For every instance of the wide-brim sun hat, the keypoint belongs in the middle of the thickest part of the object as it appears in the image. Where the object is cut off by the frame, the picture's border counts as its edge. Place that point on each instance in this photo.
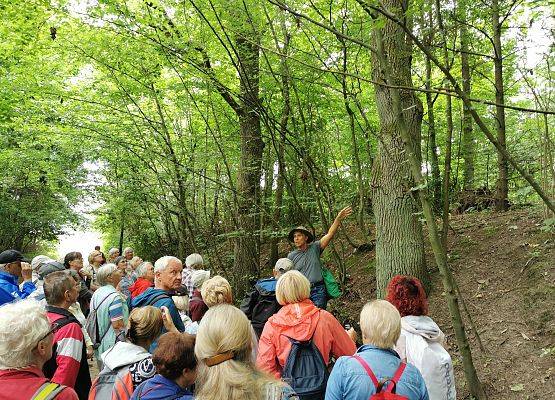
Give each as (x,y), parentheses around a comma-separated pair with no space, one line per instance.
(301,229)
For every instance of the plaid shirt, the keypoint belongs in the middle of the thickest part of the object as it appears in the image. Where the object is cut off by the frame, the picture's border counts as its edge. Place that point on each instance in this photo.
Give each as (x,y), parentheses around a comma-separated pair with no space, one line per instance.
(186,280)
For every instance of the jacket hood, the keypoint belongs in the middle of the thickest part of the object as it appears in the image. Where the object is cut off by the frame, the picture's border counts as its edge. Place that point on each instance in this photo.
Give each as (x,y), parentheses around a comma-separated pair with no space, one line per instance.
(145,298)
(298,320)
(266,287)
(123,353)
(423,326)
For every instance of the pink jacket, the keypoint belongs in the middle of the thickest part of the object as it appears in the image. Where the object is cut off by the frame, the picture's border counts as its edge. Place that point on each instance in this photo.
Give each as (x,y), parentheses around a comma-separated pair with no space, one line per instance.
(301,321)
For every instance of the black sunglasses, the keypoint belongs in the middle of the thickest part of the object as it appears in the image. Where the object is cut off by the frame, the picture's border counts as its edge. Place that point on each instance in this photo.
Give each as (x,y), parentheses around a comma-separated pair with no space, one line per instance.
(54,327)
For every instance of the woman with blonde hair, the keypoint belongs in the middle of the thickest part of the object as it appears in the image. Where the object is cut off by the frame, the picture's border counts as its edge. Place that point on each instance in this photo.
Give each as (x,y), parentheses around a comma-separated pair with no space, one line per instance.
(376,367)
(96,260)
(225,368)
(299,320)
(216,290)
(143,328)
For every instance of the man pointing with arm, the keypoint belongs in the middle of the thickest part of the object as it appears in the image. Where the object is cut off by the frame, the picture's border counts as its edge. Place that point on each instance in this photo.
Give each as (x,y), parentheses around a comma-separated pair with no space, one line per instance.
(307,256)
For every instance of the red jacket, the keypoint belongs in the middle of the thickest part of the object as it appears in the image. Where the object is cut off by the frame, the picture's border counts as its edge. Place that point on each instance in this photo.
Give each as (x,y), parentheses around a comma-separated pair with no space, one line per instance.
(140,285)
(301,321)
(23,384)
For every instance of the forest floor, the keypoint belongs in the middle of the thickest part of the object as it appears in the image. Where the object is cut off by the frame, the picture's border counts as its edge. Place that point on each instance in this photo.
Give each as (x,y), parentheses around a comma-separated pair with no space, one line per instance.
(504,265)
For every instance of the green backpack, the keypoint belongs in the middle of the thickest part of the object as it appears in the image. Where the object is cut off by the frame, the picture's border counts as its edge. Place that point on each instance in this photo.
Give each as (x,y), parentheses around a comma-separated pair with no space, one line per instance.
(332,287)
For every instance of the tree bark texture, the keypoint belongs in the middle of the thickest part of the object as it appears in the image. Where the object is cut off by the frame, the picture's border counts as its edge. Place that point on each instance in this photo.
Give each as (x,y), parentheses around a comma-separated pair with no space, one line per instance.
(399,238)
(468,146)
(247,243)
(502,187)
(432,143)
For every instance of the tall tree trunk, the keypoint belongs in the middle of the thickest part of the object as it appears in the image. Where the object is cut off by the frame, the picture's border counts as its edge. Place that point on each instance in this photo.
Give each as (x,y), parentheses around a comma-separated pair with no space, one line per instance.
(280,183)
(502,187)
(448,135)
(432,145)
(399,238)
(247,244)
(449,284)
(468,147)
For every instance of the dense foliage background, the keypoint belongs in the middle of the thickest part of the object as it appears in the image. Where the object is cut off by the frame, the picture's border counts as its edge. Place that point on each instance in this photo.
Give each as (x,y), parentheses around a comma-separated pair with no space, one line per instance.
(158,94)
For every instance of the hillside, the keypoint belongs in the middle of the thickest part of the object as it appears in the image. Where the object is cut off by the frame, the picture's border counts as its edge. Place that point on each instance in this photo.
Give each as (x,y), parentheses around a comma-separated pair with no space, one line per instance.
(504,265)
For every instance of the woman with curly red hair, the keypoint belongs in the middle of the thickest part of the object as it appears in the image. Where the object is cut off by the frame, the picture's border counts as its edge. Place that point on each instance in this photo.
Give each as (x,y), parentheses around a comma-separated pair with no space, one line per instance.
(421,340)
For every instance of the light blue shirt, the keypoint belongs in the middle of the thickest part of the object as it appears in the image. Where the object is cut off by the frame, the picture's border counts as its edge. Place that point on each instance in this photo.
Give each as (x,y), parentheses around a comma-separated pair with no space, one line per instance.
(349,380)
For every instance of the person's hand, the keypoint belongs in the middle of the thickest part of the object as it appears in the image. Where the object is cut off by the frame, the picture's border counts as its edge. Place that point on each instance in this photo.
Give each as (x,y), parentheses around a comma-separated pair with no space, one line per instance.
(167,320)
(352,334)
(26,271)
(90,352)
(344,213)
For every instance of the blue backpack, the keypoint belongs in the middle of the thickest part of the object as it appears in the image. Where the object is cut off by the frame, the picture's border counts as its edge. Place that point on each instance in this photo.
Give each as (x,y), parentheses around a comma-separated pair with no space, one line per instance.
(305,370)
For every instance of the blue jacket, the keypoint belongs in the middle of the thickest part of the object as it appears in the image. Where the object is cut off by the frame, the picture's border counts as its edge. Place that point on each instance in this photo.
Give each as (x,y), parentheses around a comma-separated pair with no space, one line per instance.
(160,388)
(349,380)
(158,298)
(9,291)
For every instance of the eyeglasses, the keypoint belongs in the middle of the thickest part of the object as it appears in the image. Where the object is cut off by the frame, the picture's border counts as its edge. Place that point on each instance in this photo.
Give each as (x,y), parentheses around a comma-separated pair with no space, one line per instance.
(54,327)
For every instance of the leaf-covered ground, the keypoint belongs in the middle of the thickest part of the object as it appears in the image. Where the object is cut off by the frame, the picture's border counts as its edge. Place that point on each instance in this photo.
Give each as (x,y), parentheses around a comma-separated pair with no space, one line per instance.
(504,265)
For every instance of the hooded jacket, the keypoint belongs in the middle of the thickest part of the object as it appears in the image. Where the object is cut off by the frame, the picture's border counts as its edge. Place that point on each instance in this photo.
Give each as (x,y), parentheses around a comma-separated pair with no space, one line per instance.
(421,325)
(140,285)
(301,321)
(135,357)
(421,344)
(160,388)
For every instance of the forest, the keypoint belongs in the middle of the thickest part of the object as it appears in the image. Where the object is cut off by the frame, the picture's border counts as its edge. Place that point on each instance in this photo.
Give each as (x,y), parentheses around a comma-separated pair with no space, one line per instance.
(215,126)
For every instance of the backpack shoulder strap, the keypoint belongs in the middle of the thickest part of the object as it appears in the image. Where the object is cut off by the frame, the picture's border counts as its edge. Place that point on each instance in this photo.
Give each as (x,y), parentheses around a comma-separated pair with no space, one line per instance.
(368,371)
(48,391)
(97,306)
(158,297)
(396,378)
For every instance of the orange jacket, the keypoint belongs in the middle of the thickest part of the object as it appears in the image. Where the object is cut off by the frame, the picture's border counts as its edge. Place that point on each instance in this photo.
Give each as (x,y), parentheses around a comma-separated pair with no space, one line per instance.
(301,321)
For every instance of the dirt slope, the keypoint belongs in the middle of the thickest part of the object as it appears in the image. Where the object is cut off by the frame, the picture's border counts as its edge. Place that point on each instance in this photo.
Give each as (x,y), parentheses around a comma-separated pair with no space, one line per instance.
(505,267)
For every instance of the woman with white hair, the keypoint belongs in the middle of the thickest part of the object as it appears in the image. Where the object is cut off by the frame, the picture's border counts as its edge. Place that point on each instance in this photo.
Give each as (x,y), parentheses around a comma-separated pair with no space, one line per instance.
(358,377)
(110,308)
(25,346)
(225,370)
(197,306)
(145,279)
(192,262)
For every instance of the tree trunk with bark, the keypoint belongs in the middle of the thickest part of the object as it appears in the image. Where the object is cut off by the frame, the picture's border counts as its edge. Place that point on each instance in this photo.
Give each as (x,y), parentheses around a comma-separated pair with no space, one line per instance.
(432,143)
(502,187)
(247,243)
(399,238)
(468,146)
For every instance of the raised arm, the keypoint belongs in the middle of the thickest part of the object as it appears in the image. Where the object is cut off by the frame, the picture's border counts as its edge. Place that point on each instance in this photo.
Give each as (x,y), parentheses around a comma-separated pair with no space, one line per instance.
(333,228)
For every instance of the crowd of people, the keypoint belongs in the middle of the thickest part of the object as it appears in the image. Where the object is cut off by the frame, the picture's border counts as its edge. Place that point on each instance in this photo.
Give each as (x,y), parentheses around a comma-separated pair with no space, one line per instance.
(166,331)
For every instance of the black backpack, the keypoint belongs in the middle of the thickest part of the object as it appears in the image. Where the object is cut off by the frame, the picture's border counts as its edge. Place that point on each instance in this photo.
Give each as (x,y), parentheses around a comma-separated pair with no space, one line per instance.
(265,307)
(305,370)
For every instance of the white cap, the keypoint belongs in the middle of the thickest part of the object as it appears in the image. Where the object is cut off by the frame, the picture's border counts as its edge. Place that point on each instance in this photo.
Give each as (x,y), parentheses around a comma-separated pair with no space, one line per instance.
(198,277)
(193,259)
(284,265)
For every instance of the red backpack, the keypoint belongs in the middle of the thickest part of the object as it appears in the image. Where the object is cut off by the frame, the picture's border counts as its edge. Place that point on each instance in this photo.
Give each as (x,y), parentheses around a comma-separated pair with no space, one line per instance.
(381,392)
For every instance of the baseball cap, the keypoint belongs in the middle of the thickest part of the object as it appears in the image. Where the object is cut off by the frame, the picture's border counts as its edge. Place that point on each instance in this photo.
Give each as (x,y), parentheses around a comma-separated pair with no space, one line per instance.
(284,265)
(50,267)
(10,256)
